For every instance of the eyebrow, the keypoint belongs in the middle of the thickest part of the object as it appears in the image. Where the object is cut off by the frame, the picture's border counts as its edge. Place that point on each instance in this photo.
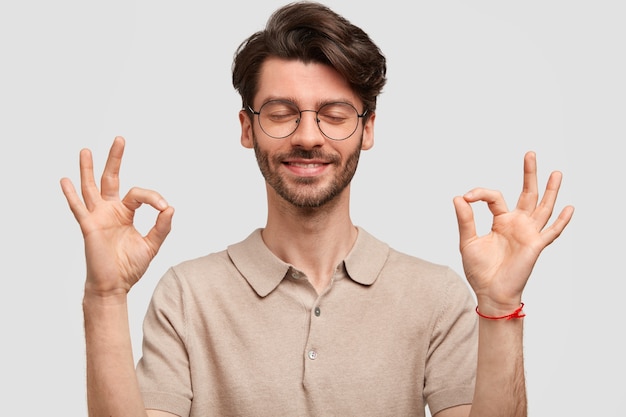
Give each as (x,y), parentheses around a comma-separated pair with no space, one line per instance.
(318,105)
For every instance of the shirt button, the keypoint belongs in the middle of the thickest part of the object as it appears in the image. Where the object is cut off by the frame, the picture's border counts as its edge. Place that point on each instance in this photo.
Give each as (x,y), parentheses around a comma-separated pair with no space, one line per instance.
(312,355)
(295,275)
(317,311)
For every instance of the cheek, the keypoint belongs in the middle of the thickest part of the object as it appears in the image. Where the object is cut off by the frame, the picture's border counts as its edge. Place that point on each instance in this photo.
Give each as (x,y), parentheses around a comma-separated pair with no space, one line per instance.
(269,146)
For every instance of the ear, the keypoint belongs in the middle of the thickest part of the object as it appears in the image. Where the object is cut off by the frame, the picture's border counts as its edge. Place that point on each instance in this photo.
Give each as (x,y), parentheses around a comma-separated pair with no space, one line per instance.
(247,138)
(368,133)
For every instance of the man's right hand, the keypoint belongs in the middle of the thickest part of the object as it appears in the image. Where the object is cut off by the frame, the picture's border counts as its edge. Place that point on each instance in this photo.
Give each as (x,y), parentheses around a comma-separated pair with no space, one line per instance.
(117,255)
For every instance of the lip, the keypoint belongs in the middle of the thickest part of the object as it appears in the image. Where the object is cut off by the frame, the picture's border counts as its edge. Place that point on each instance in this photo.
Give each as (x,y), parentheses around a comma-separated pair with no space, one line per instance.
(306,167)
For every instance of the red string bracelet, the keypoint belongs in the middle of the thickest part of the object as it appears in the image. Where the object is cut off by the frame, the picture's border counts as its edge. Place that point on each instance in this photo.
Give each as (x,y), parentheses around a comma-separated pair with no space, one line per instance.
(517,314)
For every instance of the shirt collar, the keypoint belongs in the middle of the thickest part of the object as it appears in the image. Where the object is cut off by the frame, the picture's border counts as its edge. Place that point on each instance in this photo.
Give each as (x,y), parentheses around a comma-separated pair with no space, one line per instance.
(264,271)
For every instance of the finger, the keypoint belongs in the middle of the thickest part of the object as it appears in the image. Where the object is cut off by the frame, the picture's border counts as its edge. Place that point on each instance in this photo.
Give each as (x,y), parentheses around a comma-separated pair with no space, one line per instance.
(88,186)
(494,199)
(110,181)
(76,204)
(157,234)
(528,198)
(137,196)
(544,210)
(550,234)
(465,220)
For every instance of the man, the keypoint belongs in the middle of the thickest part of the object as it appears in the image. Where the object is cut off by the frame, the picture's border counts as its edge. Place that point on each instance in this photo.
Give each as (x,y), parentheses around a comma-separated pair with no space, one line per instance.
(310,315)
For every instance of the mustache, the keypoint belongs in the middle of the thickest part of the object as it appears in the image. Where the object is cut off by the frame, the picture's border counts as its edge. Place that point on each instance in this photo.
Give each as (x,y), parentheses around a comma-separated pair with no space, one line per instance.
(299,153)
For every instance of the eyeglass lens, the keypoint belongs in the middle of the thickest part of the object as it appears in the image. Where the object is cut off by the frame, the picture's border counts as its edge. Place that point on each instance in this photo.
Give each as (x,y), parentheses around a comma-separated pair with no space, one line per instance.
(279,119)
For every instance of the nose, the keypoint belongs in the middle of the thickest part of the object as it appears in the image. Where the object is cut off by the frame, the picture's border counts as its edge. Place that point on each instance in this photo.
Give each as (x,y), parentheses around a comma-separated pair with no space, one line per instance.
(308,134)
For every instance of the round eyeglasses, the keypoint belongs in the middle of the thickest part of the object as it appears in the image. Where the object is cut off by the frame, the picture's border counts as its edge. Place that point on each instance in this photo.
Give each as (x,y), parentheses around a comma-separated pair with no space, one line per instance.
(280,118)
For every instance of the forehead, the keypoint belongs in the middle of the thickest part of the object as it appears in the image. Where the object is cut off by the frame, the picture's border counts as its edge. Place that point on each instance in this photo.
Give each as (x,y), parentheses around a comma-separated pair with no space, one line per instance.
(306,84)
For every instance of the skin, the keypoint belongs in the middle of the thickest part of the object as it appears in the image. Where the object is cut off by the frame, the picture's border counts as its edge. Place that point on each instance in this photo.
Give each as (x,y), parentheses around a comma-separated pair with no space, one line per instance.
(308,200)
(320,236)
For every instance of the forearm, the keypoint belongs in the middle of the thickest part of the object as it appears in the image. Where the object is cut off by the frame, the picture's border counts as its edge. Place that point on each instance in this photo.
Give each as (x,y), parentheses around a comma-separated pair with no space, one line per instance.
(500,382)
(112,388)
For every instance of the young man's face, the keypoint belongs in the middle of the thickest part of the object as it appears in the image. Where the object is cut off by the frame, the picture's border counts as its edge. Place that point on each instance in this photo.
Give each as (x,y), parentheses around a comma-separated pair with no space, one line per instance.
(306,168)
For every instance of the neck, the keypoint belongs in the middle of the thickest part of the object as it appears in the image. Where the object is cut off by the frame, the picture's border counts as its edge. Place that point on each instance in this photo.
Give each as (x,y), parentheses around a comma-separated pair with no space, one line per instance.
(318,238)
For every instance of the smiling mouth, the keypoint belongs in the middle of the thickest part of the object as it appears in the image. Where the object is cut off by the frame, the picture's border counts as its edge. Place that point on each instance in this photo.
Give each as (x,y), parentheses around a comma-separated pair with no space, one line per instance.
(306,165)
(306,169)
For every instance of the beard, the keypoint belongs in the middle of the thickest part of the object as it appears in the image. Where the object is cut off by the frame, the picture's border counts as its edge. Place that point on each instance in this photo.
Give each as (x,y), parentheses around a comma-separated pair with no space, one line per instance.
(306,193)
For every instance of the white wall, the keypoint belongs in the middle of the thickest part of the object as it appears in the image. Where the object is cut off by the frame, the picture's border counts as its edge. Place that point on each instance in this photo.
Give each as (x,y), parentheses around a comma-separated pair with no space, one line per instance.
(472,86)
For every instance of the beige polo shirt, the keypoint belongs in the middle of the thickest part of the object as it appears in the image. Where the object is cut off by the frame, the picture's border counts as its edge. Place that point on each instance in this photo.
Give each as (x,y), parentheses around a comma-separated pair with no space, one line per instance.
(241,333)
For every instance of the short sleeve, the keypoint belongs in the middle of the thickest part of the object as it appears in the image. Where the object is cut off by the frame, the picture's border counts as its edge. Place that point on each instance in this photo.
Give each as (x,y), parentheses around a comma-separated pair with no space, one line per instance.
(452,356)
(163,370)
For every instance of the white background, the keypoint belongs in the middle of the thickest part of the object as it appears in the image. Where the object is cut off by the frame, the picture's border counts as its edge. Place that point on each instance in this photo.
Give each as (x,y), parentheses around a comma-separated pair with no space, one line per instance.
(472,86)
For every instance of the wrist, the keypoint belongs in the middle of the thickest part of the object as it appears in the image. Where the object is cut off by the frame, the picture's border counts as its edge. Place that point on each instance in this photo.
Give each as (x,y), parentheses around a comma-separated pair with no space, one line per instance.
(517,314)
(488,307)
(104,298)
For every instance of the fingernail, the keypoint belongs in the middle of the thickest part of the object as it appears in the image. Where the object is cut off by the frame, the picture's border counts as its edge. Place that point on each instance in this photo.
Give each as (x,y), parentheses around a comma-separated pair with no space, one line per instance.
(162,204)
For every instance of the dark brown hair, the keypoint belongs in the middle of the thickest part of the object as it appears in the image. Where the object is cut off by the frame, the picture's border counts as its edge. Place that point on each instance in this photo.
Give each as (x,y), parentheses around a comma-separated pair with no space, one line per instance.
(311,32)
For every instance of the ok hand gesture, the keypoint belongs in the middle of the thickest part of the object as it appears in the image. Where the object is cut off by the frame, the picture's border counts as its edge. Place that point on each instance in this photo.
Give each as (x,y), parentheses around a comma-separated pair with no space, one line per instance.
(117,255)
(498,264)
